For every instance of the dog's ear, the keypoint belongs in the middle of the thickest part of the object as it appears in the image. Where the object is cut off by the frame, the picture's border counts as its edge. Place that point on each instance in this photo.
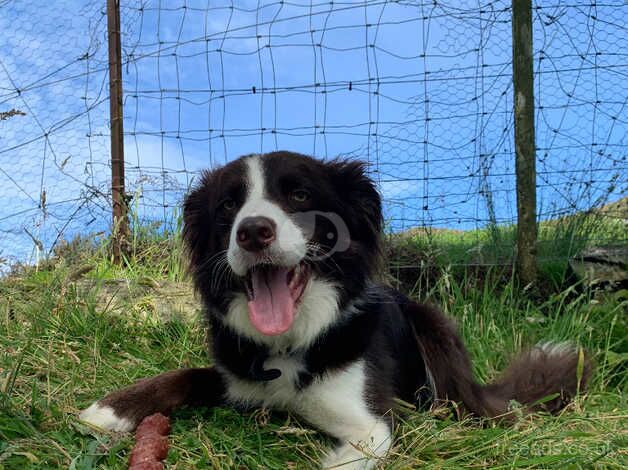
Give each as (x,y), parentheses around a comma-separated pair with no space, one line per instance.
(197,219)
(361,198)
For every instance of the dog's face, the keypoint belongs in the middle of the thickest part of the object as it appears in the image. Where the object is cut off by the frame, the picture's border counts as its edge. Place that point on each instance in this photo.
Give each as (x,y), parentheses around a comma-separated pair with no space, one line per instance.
(269,226)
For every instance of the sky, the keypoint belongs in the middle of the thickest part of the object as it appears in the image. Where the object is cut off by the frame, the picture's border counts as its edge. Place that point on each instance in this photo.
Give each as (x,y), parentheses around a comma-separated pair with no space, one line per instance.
(421,91)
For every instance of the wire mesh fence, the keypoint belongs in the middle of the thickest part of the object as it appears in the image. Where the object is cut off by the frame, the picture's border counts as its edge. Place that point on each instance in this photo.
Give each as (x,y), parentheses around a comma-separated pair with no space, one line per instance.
(422,90)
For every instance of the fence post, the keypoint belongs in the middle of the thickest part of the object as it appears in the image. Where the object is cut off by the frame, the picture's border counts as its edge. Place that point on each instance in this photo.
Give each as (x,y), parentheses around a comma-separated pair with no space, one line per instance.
(525,148)
(120,227)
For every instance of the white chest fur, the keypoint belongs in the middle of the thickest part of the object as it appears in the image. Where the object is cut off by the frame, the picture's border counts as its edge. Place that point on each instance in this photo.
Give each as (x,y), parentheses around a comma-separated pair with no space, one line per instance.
(336,403)
(278,393)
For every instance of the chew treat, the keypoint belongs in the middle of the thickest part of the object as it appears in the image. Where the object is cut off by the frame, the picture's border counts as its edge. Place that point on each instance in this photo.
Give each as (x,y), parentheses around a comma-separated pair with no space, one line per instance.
(151,443)
(156,423)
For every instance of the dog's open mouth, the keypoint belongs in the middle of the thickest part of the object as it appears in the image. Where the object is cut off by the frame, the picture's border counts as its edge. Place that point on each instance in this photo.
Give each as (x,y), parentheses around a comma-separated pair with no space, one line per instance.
(274,293)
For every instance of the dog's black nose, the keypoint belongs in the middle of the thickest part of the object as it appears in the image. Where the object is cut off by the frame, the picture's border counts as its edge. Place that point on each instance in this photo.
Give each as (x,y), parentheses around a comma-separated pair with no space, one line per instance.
(255,233)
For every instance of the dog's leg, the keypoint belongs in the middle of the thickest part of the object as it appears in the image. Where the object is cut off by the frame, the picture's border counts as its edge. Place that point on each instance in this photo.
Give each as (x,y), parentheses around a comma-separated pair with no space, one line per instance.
(124,409)
(338,406)
(361,448)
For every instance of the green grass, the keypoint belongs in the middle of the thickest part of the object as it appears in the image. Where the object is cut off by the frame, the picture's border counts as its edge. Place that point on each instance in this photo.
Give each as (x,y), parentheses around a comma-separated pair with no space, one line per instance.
(558,240)
(61,348)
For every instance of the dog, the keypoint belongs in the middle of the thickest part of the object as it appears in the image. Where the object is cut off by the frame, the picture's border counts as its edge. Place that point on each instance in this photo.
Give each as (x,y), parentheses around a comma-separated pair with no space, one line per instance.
(285,252)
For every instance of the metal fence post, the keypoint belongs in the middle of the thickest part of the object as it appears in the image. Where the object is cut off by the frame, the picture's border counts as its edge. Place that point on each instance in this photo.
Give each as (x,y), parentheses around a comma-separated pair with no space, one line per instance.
(120,227)
(525,148)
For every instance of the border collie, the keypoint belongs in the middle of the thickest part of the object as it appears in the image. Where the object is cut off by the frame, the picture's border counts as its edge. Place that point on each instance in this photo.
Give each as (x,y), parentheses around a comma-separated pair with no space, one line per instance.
(285,254)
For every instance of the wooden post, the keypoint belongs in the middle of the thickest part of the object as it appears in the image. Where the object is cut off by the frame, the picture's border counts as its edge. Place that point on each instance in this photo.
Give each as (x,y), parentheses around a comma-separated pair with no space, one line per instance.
(525,147)
(120,227)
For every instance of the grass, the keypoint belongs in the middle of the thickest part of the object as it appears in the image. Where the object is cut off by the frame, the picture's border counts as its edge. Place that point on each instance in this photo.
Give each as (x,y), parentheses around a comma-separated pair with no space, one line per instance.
(61,347)
(558,240)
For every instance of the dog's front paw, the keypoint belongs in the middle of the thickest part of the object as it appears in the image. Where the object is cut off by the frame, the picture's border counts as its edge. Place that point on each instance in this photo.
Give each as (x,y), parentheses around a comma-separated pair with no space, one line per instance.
(105,417)
(124,409)
(348,457)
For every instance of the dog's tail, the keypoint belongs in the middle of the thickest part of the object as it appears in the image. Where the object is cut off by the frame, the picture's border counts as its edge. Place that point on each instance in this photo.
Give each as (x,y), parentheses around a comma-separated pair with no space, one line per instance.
(545,377)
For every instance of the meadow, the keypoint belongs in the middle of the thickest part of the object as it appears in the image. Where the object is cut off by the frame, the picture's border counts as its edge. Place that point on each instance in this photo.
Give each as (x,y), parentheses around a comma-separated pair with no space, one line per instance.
(79,326)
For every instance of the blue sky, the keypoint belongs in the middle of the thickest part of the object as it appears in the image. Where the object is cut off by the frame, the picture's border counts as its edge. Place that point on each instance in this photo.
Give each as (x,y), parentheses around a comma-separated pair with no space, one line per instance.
(423,93)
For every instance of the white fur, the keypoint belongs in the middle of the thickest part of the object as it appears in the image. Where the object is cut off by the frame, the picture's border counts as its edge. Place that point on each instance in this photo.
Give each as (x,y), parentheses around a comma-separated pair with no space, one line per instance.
(290,245)
(104,417)
(335,403)
(278,393)
(317,310)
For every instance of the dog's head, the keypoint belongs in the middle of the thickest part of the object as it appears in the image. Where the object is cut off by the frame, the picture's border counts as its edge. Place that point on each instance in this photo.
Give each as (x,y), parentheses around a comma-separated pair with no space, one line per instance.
(268,226)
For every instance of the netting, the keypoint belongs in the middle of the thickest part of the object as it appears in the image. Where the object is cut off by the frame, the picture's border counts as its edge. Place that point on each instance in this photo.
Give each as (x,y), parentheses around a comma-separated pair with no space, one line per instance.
(422,90)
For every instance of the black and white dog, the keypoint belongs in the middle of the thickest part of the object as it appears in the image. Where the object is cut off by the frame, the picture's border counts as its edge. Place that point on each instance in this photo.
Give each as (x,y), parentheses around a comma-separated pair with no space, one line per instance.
(285,253)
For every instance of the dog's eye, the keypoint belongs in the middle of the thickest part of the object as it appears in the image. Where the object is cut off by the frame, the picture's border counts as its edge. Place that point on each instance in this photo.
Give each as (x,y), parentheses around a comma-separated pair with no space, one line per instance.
(228,205)
(300,195)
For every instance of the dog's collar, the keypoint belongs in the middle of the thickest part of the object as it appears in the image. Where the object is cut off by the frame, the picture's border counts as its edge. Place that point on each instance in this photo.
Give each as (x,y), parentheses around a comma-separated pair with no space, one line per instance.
(258,373)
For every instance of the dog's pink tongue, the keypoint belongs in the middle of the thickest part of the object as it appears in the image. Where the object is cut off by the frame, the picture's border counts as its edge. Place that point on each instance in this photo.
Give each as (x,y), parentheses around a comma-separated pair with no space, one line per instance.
(272,309)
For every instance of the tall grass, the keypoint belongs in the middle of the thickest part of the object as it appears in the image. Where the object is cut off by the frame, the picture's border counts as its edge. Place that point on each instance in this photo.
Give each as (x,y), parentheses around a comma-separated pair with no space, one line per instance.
(155,251)
(61,347)
(493,247)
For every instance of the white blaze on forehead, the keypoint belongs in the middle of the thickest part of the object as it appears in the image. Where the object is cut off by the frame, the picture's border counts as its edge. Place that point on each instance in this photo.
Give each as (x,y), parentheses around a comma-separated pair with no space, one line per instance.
(289,247)
(256,185)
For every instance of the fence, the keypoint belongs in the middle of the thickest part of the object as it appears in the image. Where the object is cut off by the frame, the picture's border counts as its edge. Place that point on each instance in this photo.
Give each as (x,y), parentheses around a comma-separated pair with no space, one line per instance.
(420,89)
